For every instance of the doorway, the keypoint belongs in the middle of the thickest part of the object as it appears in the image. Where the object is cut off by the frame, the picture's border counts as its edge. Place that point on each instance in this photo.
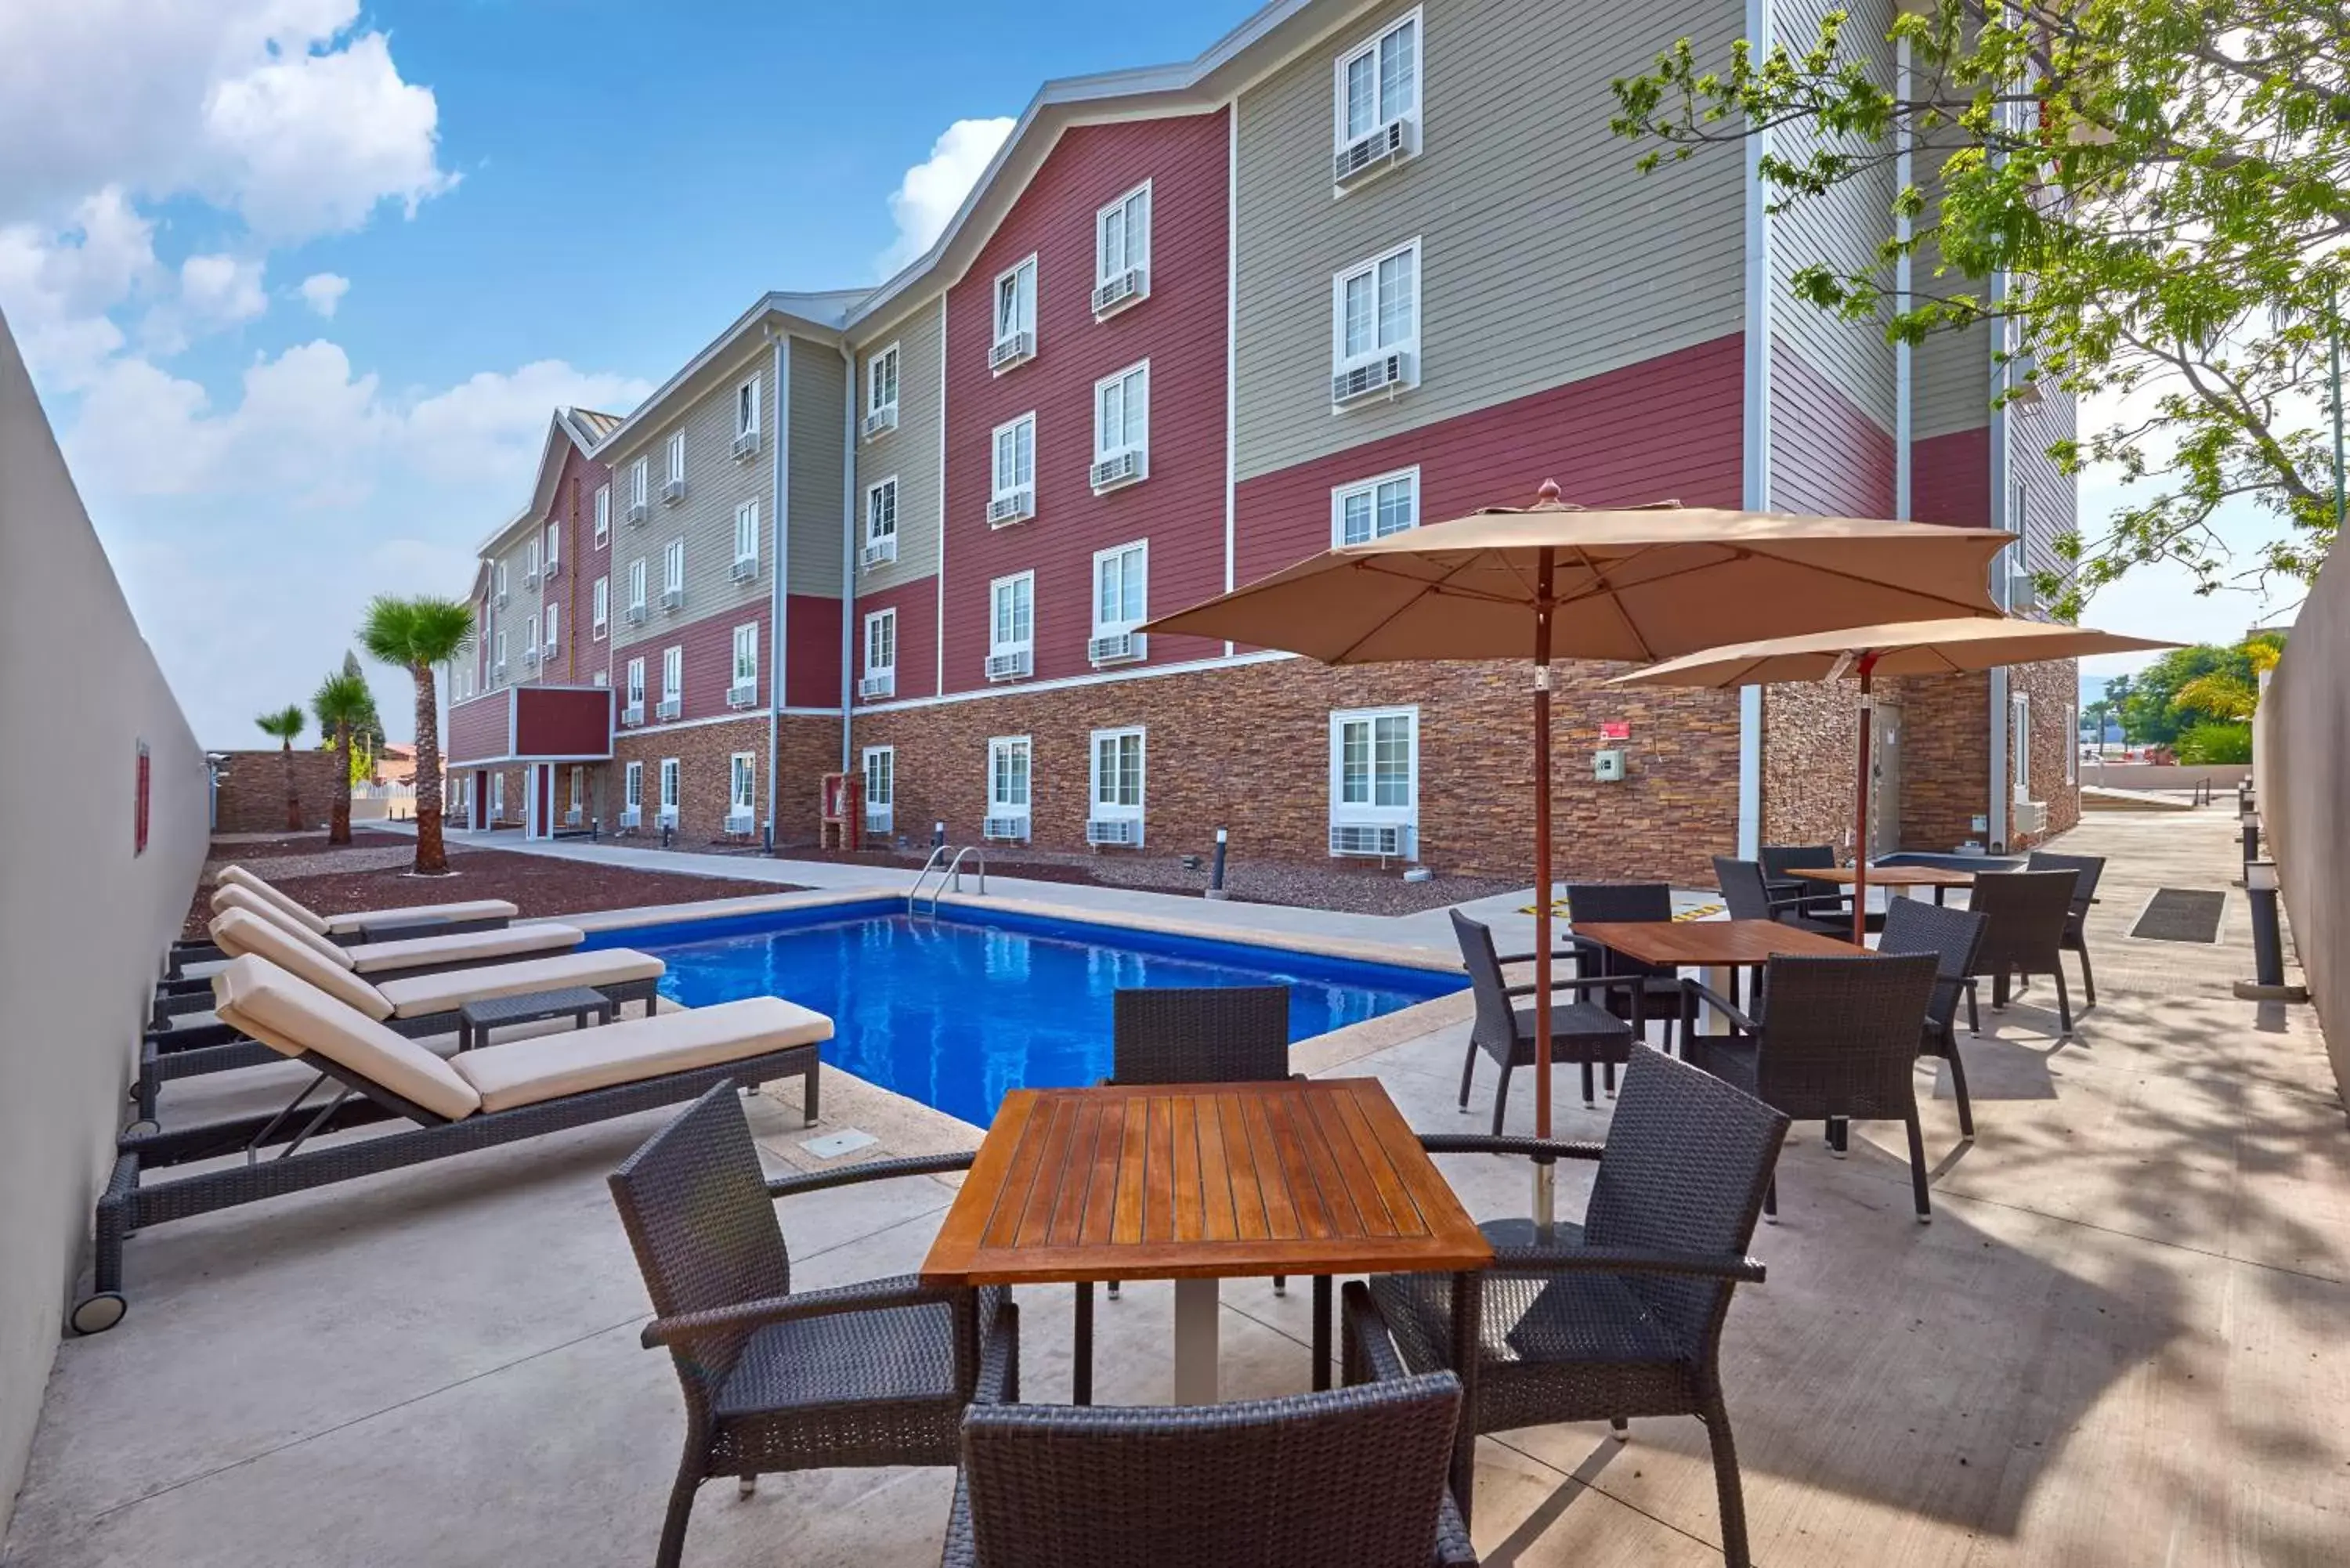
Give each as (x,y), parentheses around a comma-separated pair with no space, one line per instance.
(1884,779)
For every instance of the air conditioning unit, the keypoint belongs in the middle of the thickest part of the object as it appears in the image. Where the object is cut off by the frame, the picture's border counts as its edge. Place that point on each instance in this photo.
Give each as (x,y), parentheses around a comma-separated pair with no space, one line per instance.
(2027,817)
(739,822)
(879,421)
(530,659)
(1016,507)
(1120,468)
(574,817)
(1113,830)
(742,694)
(1384,373)
(502,598)
(632,816)
(1373,154)
(672,492)
(1009,666)
(1014,828)
(553,565)
(498,670)
(881,683)
(637,511)
(671,708)
(672,600)
(880,552)
(745,568)
(877,821)
(1016,349)
(1359,839)
(636,615)
(632,715)
(669,817)
(1128,288)
(1116,647)
(745,445)
(2022,591)
(530,578)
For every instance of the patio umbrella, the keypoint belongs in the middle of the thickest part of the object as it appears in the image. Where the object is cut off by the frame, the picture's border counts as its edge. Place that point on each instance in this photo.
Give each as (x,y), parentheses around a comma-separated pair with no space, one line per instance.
(1557,581)
(1912,647)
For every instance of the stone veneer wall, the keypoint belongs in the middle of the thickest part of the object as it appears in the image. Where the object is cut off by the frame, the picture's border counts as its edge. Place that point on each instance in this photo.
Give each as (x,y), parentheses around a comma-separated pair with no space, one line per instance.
(1946,758)
(1811,736)
(2054,687)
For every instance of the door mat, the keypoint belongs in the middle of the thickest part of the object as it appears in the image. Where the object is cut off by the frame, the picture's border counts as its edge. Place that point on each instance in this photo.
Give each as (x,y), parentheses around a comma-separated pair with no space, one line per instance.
(2182,915)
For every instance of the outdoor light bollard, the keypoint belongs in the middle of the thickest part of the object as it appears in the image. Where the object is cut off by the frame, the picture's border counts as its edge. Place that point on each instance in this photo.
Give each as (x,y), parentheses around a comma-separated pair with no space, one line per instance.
(1216,876)
(2268,982)
(938,835)
(595,830)
(2251,825)
(665,830)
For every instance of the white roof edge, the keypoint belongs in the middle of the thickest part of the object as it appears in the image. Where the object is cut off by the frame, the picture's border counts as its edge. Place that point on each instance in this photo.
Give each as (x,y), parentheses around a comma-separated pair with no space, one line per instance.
(505,528)
(820,314)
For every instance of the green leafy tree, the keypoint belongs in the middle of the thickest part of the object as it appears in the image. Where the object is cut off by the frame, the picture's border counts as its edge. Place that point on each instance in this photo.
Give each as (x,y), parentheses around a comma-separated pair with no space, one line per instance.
(367,737)
(420,635)
(2187,687)
(2145,197)
(341,705)
(285,727)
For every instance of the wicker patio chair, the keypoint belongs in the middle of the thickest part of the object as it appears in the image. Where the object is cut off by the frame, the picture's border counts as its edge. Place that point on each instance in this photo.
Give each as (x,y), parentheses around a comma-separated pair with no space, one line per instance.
(1808,898)
(1832,1040)
(2087,870)
(1580,1031)
(1197,1034)
(1354,1478)
(1954,936)
(1747,893)
(1658,993)
(1621,1315)
(865,1375)
(2029,911)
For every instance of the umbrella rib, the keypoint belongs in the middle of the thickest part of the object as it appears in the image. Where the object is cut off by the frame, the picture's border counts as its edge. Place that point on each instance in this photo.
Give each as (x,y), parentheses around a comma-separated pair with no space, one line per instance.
(1438,586)
(1599,583)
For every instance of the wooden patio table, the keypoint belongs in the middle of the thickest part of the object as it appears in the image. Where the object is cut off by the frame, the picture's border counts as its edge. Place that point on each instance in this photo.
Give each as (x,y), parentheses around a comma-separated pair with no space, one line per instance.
(1716,946)
(1898,881)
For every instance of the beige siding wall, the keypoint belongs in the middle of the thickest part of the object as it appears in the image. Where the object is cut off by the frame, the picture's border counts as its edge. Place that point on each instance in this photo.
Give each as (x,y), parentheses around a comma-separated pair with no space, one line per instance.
(716,483)
(524,599)
(911,452)
(1950,371)
(820,406)
(1546,255)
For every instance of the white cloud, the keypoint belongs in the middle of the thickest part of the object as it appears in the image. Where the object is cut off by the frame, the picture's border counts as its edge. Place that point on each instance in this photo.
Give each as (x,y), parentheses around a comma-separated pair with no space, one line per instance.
(223,289)
(323,291)
(56,286)
(932,190)
(489,428)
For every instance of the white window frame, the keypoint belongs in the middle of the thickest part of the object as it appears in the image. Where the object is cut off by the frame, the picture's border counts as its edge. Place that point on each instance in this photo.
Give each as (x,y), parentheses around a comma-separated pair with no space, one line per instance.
(602,626)
(673,566)
(1014,583)
(886,756)
(1340,360)
(1022,275)
(637,576)
(1371,814)
(747,642)
(1122,382)
(997,489)
(673,673)
(1131,257)
(1341,494)
(603,514)
(640,480)
(554,626)
(673,457)
(742,781)
(632,785)
(1117,554)
(498,663)
(885,622)
(530,559)
(1006,745)
(672,793)
(554,546)
(501,580)
(578,800)
(530,634)
(1100,810)
(632,692)
(1342,131)
(2073,743)
(874,532)
(874,401)
(497,796)
(2019,745)
(747,532)
(746,407)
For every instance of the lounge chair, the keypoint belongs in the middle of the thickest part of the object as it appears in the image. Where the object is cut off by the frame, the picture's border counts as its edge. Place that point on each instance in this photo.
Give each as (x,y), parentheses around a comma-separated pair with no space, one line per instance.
(414,1006)
(354,925)
(498,1094)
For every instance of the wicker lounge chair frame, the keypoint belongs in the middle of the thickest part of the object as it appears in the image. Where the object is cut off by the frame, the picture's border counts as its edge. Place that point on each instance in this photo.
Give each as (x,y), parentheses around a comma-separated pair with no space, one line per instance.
(203,949)
(1954,936)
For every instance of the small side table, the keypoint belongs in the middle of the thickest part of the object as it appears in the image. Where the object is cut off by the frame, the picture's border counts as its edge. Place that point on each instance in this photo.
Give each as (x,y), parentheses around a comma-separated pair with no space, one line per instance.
(476,1019)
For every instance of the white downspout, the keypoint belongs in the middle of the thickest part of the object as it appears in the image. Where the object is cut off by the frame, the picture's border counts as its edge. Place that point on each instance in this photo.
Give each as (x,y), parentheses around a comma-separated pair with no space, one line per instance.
(1904,366)
(1757,430)
(777,608)
(848,553)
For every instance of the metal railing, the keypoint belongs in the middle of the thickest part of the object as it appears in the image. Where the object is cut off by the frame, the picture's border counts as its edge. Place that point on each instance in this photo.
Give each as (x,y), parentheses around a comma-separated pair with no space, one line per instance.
(950,876)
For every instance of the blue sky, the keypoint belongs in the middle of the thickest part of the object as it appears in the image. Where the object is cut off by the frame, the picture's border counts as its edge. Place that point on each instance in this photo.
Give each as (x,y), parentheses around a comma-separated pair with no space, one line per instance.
(301,281)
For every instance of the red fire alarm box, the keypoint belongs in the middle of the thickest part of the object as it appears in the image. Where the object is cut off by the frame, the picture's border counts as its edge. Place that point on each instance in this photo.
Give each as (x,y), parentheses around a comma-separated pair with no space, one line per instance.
(844,812)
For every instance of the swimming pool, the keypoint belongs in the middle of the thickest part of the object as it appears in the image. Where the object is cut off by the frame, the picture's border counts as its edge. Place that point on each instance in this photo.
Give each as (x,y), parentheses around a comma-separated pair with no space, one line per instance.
(956,1011)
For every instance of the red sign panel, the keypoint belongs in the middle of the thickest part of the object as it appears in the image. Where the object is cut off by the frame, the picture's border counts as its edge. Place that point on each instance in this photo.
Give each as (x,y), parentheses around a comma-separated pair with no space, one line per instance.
(1615,729)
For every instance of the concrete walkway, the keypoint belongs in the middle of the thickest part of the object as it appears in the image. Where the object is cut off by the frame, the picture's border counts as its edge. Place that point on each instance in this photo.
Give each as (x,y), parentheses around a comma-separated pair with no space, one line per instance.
(2119,1343)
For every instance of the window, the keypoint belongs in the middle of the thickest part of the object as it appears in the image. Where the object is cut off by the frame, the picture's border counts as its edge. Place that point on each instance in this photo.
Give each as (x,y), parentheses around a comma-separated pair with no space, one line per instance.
(1374,508)
(668,788)
(554,546)
(497,796)
(501,582)
(636,584)
(746,533)
(673,567)
(603,605)
(1016,311)
(635,689)
(1374,765)
(1012,628)
(746,408)
(1121,577)
(498,665)
(882,514)
(632,787)
(1122,239)
(1379,81)
(1015,458)
(530,634)
(672,673)
(1376,308)
(881,786)
(603,514)
(1007,776)
(676,472)
(530,561)
(640,480)
(2019,745)
(578,789)
(1122,412)
(2073,745)
(1118,774)
(554,625)
(743,783)
(881,380)
(746,656)
(600,677)
(881,643)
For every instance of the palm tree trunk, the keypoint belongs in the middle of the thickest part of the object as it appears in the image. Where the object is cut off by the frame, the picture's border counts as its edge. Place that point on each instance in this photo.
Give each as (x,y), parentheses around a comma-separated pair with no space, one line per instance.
(293,791)
(432,853)
(338,823)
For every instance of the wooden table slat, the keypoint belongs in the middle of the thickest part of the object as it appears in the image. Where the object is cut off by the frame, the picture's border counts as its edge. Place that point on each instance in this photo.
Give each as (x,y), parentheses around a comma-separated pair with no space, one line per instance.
(1101,1181)
(1158,1173)
(1356,1185)
(1281,1223)
(1069,1204)
(1314,1218)
(1133,1149)
(1710,944)
(1218,1221)
(1189,1202)
(1403,1214)
(1240,1156)
(1887,876)
(1003,1228)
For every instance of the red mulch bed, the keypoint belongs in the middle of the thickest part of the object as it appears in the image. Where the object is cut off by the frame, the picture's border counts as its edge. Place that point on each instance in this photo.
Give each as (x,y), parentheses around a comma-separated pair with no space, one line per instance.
(303,843)
(542,887)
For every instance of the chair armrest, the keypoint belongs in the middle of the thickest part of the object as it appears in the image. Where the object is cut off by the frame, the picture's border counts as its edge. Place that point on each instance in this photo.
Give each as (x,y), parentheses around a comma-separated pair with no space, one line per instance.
(869,1296)
(1629,1260)
(1453,1549)
(872,1170)
(1366,1327)
(1577,982)
(1575,947)
(188,1036)
(1721,1004)
(1537,1149)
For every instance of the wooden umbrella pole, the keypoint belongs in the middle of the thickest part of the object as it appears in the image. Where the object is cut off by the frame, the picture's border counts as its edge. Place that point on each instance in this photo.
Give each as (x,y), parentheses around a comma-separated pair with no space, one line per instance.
(1543,607)
(1860,833)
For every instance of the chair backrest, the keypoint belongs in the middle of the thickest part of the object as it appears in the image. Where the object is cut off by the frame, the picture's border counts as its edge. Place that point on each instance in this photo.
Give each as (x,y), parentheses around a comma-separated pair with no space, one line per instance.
(1743,888)
(694,1202)
(1778,859)
(1496,1027)
(1953,936)
(1348,1478)
(2086,868)
(2028,912)
(1839,1034)
(1200,1034)
(1686,1161)
(1630,902)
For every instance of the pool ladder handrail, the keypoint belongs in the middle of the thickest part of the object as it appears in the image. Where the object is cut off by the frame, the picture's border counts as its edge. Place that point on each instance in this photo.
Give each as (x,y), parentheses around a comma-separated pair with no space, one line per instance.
(949,877)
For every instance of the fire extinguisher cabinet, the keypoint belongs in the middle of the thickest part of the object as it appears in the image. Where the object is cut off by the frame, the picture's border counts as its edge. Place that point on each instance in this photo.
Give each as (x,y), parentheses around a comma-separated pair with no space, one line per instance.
(844,812)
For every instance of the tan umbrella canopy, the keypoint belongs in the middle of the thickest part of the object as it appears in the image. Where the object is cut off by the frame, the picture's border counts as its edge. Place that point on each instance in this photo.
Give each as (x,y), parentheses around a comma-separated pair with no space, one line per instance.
(1908,648)
(1555,581)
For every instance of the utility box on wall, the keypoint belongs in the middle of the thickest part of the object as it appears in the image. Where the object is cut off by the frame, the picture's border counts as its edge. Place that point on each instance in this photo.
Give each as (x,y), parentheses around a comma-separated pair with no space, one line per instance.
(1607,766)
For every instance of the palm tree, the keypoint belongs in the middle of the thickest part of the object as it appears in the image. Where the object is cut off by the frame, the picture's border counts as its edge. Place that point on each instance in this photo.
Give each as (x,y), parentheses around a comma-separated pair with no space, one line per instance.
(284,726)
(342,705)
(418,634)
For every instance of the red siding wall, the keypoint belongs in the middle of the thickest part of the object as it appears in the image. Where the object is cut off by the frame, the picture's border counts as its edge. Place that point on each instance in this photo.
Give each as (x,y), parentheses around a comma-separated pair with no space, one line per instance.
(812,677)
(1667,428)
(477,729)
(1950,478)
(554,721)
(1827,455)
(1180,329)
(583,563)
(709,645)
(916,605)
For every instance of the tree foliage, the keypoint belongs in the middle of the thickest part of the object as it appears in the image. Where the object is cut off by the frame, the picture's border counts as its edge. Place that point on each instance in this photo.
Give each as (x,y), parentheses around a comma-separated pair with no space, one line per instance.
(420,635)
(2210,683)
(342,704)
(2162,185)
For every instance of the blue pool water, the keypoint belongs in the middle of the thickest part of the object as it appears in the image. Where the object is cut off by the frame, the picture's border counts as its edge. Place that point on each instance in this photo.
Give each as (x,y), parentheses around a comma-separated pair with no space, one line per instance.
(954,1012)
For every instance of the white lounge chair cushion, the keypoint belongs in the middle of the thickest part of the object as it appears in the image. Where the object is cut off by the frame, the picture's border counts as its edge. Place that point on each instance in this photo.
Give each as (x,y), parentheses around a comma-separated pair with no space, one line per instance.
(464,910)
(241,931)
(237,876)
(418,995)
(464,947)
(288,1014)
(237,896)
(574,1062)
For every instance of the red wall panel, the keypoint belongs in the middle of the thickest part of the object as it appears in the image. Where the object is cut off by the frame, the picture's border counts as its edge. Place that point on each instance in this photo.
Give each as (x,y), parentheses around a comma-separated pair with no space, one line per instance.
(563,721)
(917,604)
(477,729)
(709,662)
(1827,455)
(1950,478)
(812,675)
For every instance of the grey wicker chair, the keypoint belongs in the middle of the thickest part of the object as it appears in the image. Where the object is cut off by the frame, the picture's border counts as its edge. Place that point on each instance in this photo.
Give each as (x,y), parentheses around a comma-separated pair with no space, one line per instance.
(1832,1039)
(1354,1478)
(1196,1034)
(1580,1031)
(2087,869)
(864,1375)
(1658,993)
(2029,911)
(1621,1315)
(1747,893)
(1808,898)
(1954,936)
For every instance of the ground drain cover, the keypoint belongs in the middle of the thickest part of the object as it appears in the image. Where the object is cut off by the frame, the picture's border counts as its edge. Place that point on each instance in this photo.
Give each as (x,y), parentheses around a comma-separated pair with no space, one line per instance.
(831,1146)
(2182,915)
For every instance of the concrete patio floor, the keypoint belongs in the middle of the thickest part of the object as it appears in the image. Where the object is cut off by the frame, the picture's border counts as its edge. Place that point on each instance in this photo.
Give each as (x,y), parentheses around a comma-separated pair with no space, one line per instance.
(2119,1342)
